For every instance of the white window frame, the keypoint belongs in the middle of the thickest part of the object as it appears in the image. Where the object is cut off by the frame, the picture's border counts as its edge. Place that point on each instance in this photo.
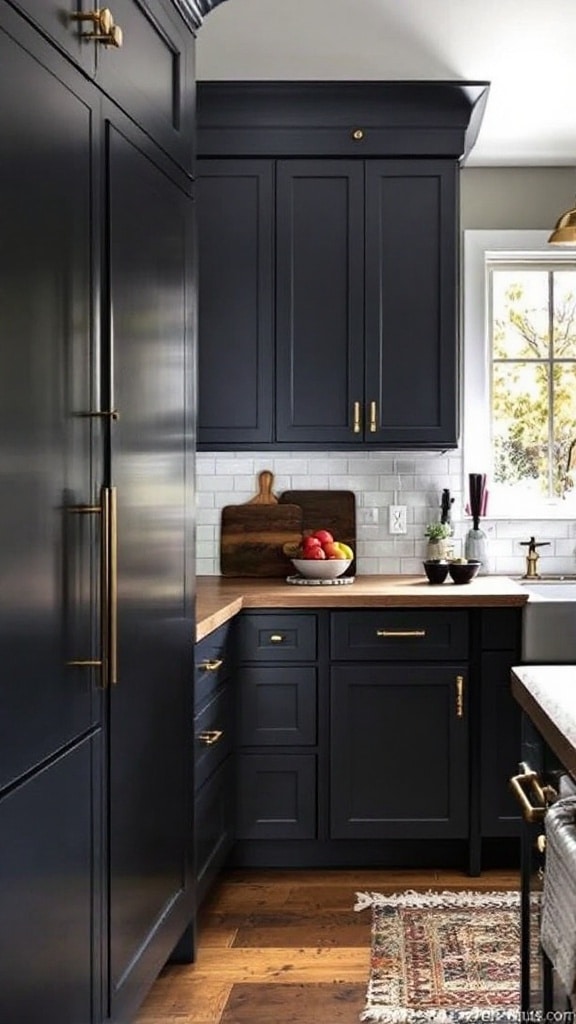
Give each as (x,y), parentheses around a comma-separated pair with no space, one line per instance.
(476,455)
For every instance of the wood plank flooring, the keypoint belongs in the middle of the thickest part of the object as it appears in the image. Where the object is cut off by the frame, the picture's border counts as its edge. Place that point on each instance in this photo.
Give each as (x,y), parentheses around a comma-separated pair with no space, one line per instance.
(287,947)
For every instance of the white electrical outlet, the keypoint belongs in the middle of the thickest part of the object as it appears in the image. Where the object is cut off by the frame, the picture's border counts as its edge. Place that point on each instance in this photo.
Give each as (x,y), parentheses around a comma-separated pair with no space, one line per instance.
(397,518)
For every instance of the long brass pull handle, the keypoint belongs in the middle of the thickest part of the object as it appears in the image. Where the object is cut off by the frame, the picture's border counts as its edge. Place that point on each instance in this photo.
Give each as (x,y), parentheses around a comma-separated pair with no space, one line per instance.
(459,696)
(210,736)
(211,665)
(357,426)
(528,779)
(373,418)
(102,511)
(276,638)
(113,593)
(418,633)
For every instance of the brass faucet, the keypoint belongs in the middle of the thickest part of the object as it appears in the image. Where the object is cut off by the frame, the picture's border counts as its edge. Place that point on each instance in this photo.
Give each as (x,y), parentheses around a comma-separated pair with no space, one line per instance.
(532,557)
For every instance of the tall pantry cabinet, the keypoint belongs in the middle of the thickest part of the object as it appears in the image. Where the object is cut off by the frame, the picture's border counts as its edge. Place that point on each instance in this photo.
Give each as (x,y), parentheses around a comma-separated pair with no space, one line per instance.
(97,340)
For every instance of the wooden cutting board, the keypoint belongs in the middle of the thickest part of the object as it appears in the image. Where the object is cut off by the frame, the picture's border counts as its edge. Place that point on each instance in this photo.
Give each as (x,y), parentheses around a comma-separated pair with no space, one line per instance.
(252,535)
(331,510)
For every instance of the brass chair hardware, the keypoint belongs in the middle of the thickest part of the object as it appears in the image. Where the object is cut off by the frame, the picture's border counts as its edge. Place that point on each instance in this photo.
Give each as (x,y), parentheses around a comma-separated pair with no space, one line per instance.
(357,134)
(529,780)
(276,638)
(111,414)
(357,427)
(373,418)
(414,633)
(459,696)
(210,736)
(211,664)
(105,31)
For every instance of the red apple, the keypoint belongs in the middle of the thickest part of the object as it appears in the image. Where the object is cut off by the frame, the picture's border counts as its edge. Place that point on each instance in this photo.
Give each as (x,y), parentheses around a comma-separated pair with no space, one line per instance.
(308,543)
(324,536)
(315,553)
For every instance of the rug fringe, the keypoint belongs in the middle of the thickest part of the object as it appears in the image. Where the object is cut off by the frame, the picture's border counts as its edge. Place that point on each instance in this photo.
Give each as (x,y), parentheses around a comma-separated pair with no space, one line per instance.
(473,1015)
(434,898)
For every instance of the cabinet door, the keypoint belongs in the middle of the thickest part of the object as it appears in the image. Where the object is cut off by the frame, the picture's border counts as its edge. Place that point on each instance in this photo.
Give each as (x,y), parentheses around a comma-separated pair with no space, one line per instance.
(411,302)
(501,750)
(47,894)
(319,301)
(151,76)
(235,304)
(151,357)
(399,752)
(48,127)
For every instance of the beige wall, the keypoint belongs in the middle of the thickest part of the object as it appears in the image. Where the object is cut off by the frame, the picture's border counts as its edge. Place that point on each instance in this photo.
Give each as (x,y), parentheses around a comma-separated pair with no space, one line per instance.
(515,197)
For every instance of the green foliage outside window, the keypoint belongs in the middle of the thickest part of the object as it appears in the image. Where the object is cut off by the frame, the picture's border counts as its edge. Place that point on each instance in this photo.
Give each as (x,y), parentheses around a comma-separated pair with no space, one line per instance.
(533,319)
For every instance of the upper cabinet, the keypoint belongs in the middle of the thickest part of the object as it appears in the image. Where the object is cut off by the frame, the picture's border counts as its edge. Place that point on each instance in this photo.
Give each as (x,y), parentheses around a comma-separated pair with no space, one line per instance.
(328,266)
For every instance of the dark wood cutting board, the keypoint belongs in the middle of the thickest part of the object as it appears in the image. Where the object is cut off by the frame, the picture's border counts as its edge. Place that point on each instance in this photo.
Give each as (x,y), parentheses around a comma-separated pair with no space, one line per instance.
(331,510)
(252,535)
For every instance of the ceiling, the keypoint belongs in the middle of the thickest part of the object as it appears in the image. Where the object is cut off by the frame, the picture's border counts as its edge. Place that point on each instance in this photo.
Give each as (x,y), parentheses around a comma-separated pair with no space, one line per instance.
(524,48)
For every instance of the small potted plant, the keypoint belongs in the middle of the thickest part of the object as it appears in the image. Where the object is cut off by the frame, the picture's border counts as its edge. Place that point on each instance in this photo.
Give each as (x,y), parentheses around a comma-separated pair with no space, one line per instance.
(437,534)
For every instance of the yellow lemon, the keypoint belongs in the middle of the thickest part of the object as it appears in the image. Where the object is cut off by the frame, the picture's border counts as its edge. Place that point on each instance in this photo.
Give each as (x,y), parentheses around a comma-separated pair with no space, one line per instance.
(346,551)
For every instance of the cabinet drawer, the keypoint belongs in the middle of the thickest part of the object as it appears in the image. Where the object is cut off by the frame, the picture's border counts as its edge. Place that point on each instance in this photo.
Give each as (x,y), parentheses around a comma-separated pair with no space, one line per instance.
(401,634)
(213,826)
(276,796)
(277,706)
(213,664)
(213,735)
(277,638)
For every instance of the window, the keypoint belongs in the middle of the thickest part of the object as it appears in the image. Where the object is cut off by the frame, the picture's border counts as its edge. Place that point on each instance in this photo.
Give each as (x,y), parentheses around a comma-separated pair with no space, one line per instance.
(520,372)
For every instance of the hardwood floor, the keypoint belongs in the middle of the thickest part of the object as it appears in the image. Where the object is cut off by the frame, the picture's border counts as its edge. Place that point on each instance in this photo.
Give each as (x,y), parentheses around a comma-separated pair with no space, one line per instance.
(287,947)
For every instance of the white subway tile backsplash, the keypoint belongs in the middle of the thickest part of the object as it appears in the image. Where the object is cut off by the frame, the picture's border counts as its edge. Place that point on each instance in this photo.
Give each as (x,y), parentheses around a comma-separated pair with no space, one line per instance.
(378,480)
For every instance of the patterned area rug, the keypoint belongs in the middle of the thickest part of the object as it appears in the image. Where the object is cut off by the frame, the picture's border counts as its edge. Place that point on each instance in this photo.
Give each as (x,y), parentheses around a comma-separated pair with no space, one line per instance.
(443,957)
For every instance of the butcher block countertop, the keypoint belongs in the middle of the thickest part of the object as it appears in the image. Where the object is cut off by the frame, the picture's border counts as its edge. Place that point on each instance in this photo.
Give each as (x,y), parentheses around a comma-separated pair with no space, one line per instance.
(219,599)
(547,693)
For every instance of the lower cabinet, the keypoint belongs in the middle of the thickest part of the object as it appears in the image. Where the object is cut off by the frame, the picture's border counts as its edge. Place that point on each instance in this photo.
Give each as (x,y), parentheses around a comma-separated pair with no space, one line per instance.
(362,734)
(399,752)
(213,758)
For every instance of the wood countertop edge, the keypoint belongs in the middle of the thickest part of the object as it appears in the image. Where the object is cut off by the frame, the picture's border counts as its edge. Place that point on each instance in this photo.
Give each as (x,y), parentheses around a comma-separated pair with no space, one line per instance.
(218,599)
(547,715)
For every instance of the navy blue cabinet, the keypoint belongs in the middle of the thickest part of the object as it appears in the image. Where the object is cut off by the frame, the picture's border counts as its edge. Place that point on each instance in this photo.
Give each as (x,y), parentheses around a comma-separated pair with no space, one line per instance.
(328,262)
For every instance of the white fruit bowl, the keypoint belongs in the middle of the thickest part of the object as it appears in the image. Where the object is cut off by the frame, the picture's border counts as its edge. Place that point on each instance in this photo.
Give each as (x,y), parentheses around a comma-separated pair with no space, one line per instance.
(321,569)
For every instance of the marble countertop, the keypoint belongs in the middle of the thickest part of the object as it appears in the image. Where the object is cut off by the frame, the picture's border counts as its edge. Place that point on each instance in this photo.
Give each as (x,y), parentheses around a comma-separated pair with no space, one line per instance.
(547,693)
(219,599)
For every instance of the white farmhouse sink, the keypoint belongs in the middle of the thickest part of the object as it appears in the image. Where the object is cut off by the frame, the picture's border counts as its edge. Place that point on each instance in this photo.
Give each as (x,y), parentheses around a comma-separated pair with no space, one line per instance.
(549,621)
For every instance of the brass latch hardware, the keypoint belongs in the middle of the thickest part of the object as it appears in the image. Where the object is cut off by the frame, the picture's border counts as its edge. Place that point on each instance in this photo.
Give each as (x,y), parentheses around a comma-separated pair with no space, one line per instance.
(210,736)
(459,696)
(373,418)
(105,31)
(111,414)
(414,633)
(211,665)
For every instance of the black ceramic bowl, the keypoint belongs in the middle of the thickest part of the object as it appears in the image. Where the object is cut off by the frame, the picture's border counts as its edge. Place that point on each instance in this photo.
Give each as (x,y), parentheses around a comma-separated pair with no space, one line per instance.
(463,572)
(436,571)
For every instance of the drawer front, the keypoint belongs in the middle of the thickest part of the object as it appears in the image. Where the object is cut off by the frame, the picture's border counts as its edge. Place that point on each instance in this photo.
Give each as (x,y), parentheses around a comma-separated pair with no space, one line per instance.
(213,735)
(277,706)
(213,664)
(213,827)
(276,796)
(399,635)
(278,638)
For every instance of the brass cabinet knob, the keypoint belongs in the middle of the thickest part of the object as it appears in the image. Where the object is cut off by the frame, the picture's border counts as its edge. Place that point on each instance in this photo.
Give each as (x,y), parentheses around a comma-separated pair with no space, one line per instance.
(105,31)
(358,134)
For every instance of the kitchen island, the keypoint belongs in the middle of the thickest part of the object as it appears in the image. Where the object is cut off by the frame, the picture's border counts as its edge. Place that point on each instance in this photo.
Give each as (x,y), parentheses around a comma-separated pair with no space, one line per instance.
(219,599)
(547,694)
